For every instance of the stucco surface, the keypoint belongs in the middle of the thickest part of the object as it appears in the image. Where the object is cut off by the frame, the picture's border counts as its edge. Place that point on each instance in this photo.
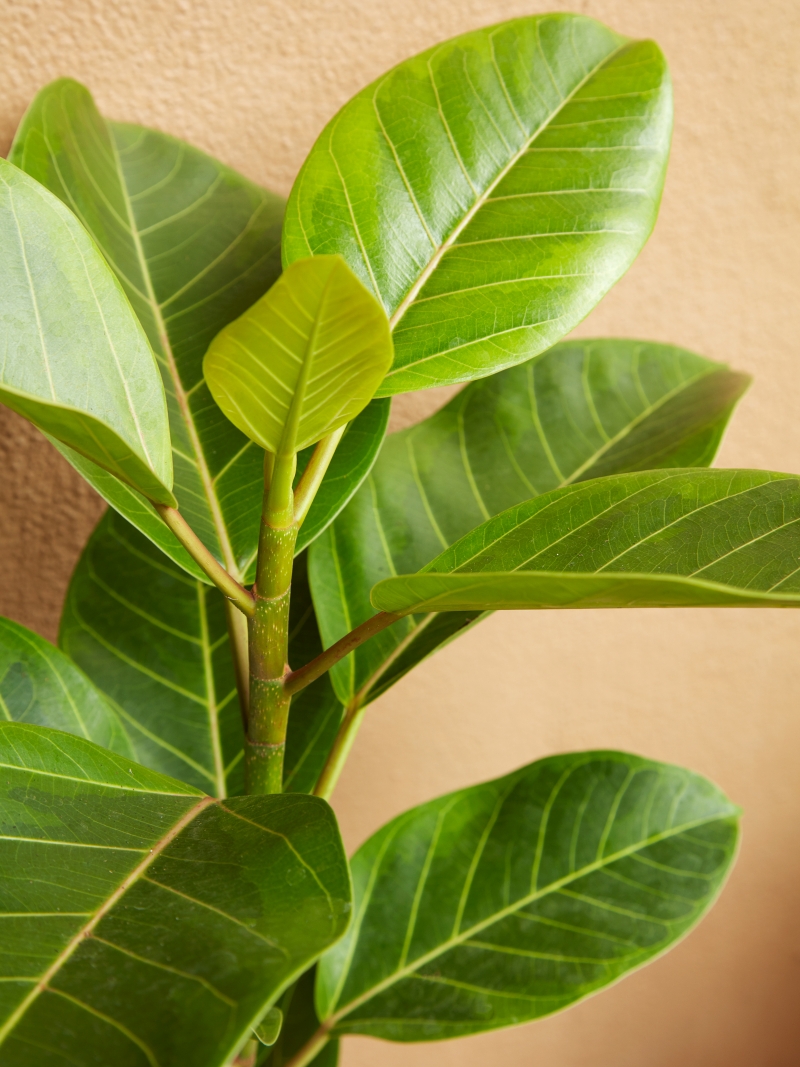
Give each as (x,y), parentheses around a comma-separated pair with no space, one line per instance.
(253,83)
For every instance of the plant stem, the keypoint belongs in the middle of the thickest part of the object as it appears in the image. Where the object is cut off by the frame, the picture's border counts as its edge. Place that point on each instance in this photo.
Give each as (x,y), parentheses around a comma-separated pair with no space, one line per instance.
(311,1049)
(230,588)
(337,757)
(268,715)
(299,679)
(248,1056)
(314,473)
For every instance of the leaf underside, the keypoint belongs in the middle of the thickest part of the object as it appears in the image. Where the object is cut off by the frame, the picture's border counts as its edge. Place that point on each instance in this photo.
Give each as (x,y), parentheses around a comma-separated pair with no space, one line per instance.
(510,900)
(490,190)
(203,911)
(76,362)
(582,410)
(655,539)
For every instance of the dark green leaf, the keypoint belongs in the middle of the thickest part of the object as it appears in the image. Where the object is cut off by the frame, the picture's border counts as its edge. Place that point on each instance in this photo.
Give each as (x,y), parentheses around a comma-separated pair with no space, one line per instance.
(145,923)
(304,360)
(300,1023)
(154,640)
(513,899)
(193,244)
(76,361)
(491,190)
(681,538)
(40,685)
(584,409)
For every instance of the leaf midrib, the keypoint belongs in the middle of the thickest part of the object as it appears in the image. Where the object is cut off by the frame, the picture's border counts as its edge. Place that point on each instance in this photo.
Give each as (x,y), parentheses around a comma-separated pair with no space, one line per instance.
(180,393)
(511,909)
(453,236)
(86,930)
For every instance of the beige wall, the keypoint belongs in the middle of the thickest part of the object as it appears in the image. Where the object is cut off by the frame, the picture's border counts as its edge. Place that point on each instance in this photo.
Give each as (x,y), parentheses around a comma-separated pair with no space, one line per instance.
(253,81)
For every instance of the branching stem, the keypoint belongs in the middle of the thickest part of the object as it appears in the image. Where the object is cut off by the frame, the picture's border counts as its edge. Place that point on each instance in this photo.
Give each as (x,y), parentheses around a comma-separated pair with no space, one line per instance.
(299,679)
(314,473)
(230,588)
(311,1049)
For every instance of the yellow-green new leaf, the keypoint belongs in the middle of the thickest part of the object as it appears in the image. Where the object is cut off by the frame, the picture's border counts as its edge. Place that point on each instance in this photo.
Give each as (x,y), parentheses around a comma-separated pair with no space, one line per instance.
(304,360)
(75,360)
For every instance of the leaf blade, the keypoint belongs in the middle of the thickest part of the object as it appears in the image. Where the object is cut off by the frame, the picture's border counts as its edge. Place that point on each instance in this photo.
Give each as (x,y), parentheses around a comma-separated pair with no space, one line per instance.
(484,278)
(490,886)
(142,875)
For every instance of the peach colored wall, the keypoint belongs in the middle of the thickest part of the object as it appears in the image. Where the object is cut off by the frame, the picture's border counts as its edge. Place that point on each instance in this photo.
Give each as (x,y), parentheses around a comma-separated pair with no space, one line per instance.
(253,81)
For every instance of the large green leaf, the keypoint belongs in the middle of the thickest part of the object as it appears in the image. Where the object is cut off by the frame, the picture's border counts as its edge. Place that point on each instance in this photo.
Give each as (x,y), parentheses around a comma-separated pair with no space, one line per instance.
(510,900)
(154,640)
(304,360)
(658,539)
(193,244)
(581,410)
(40,685)
(145,923)
(76,361)
(491,190)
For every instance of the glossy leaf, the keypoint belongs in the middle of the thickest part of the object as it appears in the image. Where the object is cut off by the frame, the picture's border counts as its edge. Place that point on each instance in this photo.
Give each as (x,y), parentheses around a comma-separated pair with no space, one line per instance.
(155,641)
(196,913)
(679,538)
(304,360)
(193,244)
(513,899)
(270,1026)
(300,1023)
(583,409)
(41,686)
(76,361)
(491,190)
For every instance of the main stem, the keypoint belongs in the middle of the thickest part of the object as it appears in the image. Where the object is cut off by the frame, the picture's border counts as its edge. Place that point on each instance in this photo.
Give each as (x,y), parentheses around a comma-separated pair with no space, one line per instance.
(268,712)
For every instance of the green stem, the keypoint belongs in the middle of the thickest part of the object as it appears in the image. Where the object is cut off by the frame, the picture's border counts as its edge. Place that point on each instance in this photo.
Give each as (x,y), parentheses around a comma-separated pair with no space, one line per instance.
(268,714)
(237,635)
(314,473)
(311,1049)
(340,750)
(248,1056)
(304,676)
(235,593)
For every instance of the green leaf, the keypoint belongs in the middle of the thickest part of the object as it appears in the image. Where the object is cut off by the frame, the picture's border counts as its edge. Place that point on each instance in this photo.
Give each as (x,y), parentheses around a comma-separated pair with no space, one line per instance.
(513,899)
(76,362)
(270,1026)
(304,360)
(193,244)
(316,713)
(351,463)
(491,190)
(583,409)
(681,538)
(300,1023)
(155,642)
(195,913)
(40,685)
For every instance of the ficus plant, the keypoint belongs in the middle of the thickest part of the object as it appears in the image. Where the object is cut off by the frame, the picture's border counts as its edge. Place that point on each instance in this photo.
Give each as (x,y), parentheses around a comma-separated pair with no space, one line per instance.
(174,890)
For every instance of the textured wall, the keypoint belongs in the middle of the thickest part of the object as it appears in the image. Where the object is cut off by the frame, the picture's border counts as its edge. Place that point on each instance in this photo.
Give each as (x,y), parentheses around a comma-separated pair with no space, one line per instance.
(253,82)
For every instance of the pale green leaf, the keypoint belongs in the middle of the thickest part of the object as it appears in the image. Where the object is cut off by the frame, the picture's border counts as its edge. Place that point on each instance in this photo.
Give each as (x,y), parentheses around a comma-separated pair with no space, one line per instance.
(270,1026)
(42,686)
(195,913)
(304,360)
(682,538)
(510,900)
(583,409)
(491,190)
(76,361)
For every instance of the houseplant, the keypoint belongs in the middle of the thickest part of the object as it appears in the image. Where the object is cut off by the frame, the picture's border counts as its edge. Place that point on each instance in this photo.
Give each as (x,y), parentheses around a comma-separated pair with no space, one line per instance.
(483,197)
